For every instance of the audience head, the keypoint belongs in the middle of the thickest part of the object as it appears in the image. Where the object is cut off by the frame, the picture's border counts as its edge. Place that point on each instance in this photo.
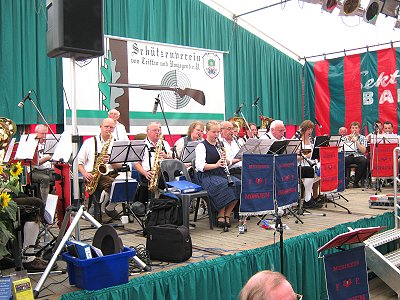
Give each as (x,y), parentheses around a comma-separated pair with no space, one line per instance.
(267,285)
(41,130)
(277,129)
(106,128)
(226,130)
(253,132)
(195,130)
(154,131)
(388,127)
(342,131)
(114,114)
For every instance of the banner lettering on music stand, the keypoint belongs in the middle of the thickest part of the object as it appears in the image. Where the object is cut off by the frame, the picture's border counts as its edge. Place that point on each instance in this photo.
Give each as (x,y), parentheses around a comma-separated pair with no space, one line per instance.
(257,185)
(382,160)
(286,180)
(346,274)
(329,168)
(341,172)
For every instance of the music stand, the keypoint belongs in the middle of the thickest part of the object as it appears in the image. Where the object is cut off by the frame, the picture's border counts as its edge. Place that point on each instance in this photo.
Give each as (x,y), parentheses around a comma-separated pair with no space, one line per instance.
(63,148)
(188,153)
(8,155)
(292,146)
(278,147)
(320,141)
(124,152)
(335,141)
(248,148)
(51,143)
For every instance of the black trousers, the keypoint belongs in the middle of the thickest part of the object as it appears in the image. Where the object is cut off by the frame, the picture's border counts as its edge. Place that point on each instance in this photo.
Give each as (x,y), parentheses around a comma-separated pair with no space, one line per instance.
(361,168)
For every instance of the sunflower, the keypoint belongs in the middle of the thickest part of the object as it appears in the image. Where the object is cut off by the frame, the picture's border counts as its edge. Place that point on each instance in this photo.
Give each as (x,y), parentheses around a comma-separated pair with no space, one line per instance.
(16,169)
(5,198)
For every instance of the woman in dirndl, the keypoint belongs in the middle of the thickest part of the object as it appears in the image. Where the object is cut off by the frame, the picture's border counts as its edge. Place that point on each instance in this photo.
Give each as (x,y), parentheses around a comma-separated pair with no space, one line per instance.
(211,166)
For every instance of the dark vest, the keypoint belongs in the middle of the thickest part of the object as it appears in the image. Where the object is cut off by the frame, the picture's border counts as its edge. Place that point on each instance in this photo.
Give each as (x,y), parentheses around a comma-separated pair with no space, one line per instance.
(212,155)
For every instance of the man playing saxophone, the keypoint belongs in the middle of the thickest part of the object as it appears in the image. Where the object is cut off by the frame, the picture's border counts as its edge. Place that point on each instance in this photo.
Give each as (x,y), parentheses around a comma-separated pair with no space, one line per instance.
(94,151)
(146,166)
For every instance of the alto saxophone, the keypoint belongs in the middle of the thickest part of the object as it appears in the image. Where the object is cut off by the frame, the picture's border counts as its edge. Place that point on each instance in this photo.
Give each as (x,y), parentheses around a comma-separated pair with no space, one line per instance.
(153,184)
(98,167)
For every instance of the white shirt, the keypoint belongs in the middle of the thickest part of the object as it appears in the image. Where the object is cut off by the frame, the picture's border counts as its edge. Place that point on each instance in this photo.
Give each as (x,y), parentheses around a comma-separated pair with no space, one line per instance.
(148,164)
(231,150)
(46,165)
(86,155)
(120,132)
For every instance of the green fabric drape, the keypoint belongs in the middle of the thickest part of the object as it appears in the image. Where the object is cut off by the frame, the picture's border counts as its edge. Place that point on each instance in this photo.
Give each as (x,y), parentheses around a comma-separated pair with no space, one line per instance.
(25,66)
(252,67)
(223,277)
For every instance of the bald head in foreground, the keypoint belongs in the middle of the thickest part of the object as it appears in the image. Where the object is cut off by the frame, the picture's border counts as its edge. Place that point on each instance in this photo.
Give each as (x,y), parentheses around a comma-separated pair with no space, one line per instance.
(267,285)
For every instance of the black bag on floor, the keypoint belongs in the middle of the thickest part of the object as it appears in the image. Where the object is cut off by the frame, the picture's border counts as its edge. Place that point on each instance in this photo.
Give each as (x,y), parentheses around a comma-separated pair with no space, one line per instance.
(166,210)
(169,243)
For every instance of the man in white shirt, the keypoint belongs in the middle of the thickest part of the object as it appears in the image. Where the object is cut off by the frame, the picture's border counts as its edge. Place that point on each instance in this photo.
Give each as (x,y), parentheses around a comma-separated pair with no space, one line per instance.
(119,131)
(87,157)
(43,172)
(276,131)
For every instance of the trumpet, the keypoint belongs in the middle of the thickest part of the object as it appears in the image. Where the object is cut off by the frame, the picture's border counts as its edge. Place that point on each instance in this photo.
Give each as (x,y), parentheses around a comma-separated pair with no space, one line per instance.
(351,136)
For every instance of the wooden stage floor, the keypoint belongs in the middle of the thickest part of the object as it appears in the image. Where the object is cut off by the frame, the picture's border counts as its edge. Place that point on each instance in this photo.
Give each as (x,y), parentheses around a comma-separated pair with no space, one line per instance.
(208,244)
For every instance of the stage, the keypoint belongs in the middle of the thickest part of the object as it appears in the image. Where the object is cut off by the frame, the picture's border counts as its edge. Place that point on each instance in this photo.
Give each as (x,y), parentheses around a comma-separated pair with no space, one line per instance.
(226,259)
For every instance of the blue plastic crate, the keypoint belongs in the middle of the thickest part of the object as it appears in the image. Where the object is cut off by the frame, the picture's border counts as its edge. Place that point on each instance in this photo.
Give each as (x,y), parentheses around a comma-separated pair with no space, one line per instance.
(99,272)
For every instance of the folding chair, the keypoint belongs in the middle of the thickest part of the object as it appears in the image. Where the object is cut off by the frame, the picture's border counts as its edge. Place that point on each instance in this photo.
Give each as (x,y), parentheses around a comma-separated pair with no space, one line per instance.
(170,170)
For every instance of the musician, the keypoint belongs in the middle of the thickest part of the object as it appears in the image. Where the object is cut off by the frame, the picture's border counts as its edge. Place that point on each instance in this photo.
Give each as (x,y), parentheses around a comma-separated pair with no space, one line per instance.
(211,166)
(357,157)
(88,154)
(194,133)
(232,147)
(342,131)
(119,131)
(378,129)
(43,172)
(388,127)
(145,166)
(307,165)
(252,133)
(235,134)
(276,131)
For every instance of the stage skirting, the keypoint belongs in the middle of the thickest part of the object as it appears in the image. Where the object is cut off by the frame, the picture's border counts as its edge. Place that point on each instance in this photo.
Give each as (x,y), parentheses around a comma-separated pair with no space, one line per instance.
(223,277)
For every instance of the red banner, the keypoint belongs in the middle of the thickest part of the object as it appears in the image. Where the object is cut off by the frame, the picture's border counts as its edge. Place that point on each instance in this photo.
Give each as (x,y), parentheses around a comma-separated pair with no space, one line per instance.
(382,160)
(329,168)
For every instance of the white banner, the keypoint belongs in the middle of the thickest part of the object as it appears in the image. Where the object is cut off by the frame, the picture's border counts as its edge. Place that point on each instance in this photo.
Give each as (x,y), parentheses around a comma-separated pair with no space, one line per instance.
(146,63)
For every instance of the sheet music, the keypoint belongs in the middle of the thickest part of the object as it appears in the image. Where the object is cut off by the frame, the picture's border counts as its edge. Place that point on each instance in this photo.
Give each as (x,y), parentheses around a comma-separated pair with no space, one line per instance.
(26,147)
(188,153)
(384,138)
(349,146)
(335,140)
(263,146)
(51,143)
(50,209)
(127,151)
(63,149)
(248,147)
(292,146)
(7,156)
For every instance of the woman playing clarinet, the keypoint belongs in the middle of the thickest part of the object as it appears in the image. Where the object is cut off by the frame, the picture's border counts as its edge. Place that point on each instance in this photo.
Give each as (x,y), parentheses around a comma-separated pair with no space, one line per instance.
(212,167)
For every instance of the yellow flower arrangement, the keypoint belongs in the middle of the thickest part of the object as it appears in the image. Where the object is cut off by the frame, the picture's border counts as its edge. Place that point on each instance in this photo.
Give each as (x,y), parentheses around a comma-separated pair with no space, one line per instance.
(9,182)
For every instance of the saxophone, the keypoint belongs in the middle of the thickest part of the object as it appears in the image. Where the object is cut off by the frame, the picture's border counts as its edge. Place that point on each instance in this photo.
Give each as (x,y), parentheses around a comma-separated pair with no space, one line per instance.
(91,186)
(153,184)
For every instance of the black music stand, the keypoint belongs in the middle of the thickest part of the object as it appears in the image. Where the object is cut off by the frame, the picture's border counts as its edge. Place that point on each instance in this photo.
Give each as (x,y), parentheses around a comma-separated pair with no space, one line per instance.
(124,152)
(188,153)
(320,141)
(278,147)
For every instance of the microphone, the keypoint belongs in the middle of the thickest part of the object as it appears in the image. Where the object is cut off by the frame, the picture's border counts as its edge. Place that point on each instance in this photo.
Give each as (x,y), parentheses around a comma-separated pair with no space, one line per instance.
(239,109)
(156,104)
(256,102)
(318,123)
(27,96)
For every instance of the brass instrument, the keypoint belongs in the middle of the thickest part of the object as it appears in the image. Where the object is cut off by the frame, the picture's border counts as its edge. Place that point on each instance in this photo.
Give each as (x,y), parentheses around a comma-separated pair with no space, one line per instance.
(153,184)
(239,121)
(306,151)
(265,122)
(221,149)
(7,130)
(98,168)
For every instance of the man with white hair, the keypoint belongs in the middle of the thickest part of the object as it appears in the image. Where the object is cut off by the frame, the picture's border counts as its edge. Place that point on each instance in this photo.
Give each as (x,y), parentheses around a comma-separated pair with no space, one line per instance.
(119,131)
(276,131)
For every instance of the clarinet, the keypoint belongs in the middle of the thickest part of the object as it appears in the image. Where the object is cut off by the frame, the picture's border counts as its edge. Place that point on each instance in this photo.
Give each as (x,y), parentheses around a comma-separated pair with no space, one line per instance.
(221,150)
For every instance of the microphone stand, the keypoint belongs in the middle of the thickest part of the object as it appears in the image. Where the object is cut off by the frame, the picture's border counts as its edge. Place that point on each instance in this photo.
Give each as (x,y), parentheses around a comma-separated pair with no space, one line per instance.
(245,121)
(378,181)
(44,119)
(169,131)
(256,105)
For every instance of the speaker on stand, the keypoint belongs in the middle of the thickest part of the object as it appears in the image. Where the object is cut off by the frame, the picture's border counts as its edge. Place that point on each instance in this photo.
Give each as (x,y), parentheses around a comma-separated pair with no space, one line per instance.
(75,28)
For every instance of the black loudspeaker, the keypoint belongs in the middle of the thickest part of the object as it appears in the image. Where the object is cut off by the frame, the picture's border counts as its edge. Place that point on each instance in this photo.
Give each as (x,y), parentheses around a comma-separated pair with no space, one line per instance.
(75,28)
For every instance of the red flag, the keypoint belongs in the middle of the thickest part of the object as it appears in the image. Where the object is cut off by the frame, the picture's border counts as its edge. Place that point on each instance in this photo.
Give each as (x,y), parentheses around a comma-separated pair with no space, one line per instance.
(329,168)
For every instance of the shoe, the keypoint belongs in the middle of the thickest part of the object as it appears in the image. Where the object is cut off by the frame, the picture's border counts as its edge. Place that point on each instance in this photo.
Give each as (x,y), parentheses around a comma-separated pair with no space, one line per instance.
(220,224)
(36,265)
(312,204)
(113,214)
